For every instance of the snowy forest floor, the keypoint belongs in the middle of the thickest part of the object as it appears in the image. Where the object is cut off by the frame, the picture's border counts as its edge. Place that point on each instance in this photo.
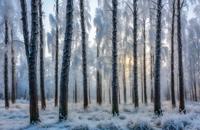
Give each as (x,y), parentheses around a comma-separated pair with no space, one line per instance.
(100,118)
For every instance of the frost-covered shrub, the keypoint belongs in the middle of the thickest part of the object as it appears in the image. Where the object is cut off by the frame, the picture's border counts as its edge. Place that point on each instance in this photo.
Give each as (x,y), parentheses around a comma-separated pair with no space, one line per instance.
(108,126)
(173,125)
(139,126)
(81,127)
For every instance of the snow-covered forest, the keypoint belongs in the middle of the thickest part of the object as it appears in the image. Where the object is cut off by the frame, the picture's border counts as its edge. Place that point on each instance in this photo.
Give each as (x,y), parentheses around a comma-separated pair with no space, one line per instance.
(100,64)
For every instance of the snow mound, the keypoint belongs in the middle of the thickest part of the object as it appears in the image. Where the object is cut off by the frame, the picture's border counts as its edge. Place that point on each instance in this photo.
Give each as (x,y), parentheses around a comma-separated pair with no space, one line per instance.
(140,125)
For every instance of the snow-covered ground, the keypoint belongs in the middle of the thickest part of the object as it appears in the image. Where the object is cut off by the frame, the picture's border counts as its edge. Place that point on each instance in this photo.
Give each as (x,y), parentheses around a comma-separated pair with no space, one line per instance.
(100,118)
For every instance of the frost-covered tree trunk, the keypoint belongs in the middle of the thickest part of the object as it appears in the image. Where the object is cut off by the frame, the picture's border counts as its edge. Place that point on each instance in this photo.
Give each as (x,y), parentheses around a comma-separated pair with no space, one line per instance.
(75,92)
(124,79)
(56,56)
(152,75)
(34,112)
(31,54)
(135,69)
(157,102)
(99,78)
(25,26)
(63,106)
(115,109)
(180,59)
(84,56)
(6,93)
(13,93)
(144,61)
(172,56)
(42,88)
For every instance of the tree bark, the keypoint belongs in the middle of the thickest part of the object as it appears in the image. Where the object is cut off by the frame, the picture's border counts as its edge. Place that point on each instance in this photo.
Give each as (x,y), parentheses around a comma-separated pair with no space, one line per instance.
(42,87)
(84,55)
(115,109)
(13,95)
(135,68)
(99,78)
(6,93)
(172,57)
(75,92)
(157,102)
(63,106)
(56,56)
(124,79)
(180,60)
(34,113)
(144,61)
(25,26)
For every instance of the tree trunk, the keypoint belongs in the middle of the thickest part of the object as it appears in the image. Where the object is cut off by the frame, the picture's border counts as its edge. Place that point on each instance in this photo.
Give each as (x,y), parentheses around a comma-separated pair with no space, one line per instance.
(63,106)
(75,92)
(172,57)
(99,78)
(157,102)
(42,89)
(180,60)
(115,109)
(144,60)
(124,79)
(56,56)
(25,27)
(84,56)
(135,69)
(13,95)
(34,113)
(6,93)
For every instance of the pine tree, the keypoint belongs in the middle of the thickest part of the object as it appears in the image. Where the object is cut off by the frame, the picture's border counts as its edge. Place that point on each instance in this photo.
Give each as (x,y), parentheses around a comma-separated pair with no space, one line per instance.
(124,78)
(56,56)
(31,54)
(157,102)
(63,106)
(99,78)
(42,89)
(34,112)
(180,59)
(144,61)
(115,109)
(6,93)
(172,56)
(84,56)
(13,94)
(135,69)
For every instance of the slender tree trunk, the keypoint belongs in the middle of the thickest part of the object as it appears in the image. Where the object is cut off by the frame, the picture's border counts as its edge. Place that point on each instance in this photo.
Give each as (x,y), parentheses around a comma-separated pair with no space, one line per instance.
(142,82)
(34,113)
(99,78)
(89,96)
(109,94)
(84,55)
(75,92)
(144,60)
(157,102)
(25,27)
(124,79)
(42,89)
(115,109)
(152,64)
(180,59)
(172,57)
(135,69)
(13,95)
(6,93)
(63,106)
(56,56)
